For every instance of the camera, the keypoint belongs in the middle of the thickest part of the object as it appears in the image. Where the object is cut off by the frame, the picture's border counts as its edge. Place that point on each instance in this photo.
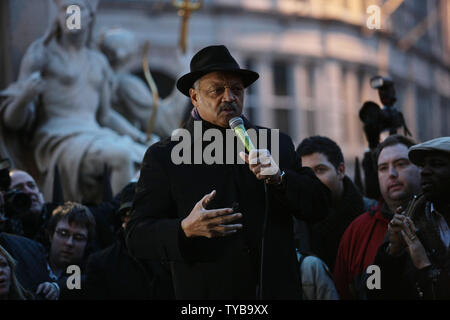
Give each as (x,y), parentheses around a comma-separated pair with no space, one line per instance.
(376,119)
(16,201)
(5,180)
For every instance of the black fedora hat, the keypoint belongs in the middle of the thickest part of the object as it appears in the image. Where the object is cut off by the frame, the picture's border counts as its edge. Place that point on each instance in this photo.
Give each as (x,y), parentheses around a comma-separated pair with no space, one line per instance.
(210,59)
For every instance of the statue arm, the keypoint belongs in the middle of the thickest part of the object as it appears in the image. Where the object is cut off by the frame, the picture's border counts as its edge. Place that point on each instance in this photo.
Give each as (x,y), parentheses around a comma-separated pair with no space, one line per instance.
(20,106)
(108,117)
(118,123)
(134,92)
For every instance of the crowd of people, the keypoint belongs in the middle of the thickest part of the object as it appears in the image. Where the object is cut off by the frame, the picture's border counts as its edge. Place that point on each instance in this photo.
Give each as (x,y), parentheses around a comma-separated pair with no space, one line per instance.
(301,230)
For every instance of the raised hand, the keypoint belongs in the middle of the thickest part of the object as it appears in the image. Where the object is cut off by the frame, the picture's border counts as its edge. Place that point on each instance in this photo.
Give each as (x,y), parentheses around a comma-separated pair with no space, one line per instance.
(49,290)
(415,247)
(34,85)
(210,223)
(397,244)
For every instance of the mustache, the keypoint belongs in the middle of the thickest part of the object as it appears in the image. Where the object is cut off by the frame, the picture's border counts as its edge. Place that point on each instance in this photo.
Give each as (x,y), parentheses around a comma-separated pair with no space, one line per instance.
(225,105)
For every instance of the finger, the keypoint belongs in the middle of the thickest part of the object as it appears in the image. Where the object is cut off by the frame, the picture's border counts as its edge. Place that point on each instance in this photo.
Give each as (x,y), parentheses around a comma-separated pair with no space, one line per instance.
(407,231)
(39,288)
(244,157)
(47,289)
(256,169)
(260,176)
(262,169)
(397,220)
(265,158)
(395,229)
(216,233)
(222,228)
(411,225)
(213,213)
(400,217)
(225,219)
(207,198)
(406,238)
(253,157)
(399,210)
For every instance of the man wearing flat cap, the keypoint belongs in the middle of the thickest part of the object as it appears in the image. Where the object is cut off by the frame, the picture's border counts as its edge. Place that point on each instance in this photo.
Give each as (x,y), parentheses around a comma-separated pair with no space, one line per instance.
(415,262)
(209,219)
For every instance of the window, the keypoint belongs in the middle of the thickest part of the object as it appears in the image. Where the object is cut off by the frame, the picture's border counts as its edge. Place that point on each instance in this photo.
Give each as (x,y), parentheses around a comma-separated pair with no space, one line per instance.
(424,114)
(310,121)
(282,120)
(309,113)
(283,102)
(250,95)
(280,78)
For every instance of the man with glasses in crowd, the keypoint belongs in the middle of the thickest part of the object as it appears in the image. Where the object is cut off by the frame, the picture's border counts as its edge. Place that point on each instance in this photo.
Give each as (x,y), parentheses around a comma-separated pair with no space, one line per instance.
(71,228)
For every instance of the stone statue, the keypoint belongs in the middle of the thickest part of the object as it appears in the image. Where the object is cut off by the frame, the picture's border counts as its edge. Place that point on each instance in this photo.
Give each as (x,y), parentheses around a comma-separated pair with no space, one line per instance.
(61,108)
(133,98)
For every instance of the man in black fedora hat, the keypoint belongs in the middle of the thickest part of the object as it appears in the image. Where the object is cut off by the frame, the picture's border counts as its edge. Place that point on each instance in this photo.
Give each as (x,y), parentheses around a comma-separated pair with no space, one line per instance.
(226,229)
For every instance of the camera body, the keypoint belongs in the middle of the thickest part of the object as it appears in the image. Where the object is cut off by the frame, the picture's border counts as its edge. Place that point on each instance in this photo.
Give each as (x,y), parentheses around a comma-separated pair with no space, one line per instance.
(16,201)
(376,119)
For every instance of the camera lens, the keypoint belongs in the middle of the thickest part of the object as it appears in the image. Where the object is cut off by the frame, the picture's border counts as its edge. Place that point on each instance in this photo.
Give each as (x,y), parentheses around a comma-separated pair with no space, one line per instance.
(16,203)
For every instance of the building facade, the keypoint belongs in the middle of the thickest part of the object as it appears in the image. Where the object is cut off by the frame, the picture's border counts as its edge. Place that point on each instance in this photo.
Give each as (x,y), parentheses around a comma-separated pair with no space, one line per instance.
(315,58)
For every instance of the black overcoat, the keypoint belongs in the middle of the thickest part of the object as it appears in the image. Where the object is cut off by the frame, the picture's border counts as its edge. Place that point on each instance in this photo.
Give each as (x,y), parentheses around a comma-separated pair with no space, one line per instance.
(226,267)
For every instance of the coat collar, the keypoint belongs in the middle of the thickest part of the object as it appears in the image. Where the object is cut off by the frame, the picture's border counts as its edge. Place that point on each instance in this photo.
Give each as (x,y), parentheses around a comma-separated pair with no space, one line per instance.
(208,125)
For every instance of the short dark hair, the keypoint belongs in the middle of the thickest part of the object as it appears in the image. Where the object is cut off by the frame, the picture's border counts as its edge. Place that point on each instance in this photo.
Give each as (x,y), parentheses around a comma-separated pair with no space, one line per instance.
(322,145)
(73,212)
(391,141)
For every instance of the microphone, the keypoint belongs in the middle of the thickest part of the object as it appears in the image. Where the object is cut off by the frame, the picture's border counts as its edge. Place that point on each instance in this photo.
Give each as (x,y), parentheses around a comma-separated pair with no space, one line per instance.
(237,124)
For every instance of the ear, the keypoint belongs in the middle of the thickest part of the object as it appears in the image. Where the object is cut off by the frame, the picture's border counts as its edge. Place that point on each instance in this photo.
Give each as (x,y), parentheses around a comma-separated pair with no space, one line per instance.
(341,171)
(194,97)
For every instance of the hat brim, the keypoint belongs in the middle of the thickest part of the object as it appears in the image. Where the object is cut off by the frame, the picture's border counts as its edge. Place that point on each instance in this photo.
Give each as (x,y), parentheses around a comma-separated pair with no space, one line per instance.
(417,155)
(187,81)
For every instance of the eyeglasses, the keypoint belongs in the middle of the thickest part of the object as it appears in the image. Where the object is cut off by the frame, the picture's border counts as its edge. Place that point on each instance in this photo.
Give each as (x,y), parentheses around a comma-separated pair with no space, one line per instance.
(65,234)
(218,91)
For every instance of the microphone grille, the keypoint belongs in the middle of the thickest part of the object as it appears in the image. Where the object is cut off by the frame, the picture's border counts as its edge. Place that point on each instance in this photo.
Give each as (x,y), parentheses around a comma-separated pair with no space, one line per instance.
(236,121)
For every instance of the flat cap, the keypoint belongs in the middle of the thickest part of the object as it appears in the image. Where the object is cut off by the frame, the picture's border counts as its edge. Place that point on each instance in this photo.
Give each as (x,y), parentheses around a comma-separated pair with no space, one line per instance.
(417,153)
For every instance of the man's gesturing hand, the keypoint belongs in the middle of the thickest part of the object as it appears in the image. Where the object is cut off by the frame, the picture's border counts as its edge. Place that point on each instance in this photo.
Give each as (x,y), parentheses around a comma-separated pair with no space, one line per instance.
(210,223)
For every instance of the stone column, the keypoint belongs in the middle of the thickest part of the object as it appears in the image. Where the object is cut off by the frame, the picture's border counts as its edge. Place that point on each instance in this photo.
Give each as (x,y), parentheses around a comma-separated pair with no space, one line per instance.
(329,96)
(265,94)
(300,96)
(352,109)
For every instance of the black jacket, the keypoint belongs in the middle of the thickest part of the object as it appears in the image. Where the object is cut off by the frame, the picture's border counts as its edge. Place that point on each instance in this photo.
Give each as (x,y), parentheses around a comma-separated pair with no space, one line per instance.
(400,278)
(326,234)
(31,260)
(112,274)
(228,267)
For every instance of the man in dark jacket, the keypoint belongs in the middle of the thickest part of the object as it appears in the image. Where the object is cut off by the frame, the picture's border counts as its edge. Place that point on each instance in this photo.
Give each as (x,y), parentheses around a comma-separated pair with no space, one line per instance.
(208,218)
(325,157)
(113,274)
(415,259)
